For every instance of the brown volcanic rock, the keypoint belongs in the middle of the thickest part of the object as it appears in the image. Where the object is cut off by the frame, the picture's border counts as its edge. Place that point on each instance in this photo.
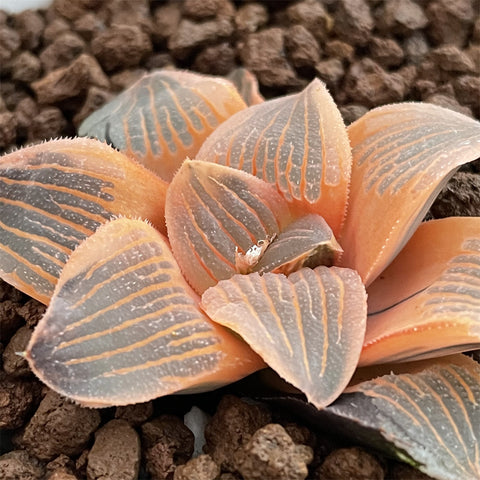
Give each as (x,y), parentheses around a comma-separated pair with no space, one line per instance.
(59,426)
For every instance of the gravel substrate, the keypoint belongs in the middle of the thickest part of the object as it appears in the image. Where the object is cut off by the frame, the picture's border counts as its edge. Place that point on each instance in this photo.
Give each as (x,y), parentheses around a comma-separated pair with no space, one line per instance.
(59,65)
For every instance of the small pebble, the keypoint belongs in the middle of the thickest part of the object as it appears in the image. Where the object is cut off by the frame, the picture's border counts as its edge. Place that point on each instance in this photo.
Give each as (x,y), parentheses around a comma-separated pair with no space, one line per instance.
(26,67)
(351,463)
(48,123)
(450,21)
(19,465)
(29,25)
(167,443)
(192,35)
(232,425)
(353,21)
(62,51)
(402,17)
(68,82)
(136,414)
(250,17)
(61,468)
(263,54)
(59,427)
(115,454)
(17,397)
(271,453)
(451,59)
(121,46)
(301,46)
(386,51)
(215,59)
(198,468)
(312,15)
(8,129)
(460,197)
(369,84)
(13,363)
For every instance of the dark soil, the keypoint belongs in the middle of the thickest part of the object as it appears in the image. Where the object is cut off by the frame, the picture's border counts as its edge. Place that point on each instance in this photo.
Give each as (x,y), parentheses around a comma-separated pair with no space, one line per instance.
(59,65)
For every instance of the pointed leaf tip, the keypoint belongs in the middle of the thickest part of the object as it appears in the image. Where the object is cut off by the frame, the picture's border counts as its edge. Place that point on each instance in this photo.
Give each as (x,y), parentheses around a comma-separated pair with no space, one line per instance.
(124,327)
(403,154)
(308,327)
(164,117)
(54,195)
(298,143)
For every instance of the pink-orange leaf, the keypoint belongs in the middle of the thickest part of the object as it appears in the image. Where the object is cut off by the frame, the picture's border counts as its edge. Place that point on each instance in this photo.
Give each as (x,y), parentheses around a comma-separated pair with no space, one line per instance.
(124,326)
(427,302)
(298,142)
(424,413)
(164,117)
(308,326)
(216,214)
(54,195)
(403,154)
(432,415)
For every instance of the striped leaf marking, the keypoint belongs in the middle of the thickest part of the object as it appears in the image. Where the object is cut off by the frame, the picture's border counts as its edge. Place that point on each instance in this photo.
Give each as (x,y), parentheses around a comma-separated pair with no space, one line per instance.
(433,416)
(308,327)
(124,327)
(306,242)
(55,194)
(436,311)
(298,142)
(402,156)
(164,117)
(214,213)
(247,85)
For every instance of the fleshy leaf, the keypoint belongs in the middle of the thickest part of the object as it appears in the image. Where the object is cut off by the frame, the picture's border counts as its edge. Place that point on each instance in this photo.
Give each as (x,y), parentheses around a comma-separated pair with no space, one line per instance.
(55,194)
(164,117)
(428,418)
(433,415)
(124,327)
(403,155)
(427,302)
(306,242)
(247,85)
(307,327)
(298,142)
(214,215)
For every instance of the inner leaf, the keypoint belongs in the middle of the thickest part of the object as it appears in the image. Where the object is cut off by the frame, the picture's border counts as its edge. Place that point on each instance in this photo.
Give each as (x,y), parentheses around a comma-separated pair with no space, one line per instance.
(216,217)
(308,327)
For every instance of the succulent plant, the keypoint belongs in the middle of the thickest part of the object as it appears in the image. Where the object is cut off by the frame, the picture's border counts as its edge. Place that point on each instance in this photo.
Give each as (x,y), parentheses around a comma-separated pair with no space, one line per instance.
(286,240)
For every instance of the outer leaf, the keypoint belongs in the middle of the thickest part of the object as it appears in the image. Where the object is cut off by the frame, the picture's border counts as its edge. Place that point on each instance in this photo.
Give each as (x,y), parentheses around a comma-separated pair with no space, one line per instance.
(298,143)
(402,156)
(54,195)
(164,117)
(433,415)
(124,327)
(307,327)
(430,418)
(427,303)
(214,213)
